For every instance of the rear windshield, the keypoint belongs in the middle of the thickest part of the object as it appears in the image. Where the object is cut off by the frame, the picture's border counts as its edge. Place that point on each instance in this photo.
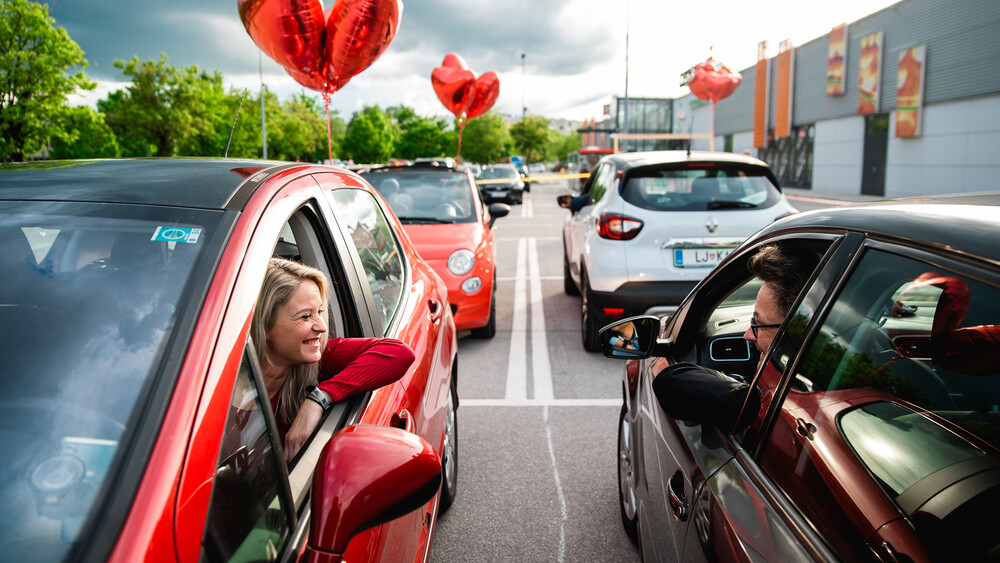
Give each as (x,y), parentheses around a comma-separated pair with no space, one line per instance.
(700,186)
(427,196)
(89,298)
(498,173)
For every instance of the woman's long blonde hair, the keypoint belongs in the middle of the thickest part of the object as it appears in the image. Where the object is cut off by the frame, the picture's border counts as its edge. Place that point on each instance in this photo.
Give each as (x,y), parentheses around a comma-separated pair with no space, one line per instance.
(281,280)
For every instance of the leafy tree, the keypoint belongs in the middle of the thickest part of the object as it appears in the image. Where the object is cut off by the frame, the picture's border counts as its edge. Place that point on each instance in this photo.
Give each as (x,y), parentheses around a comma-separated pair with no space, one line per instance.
(298,131)
(39,66)
(419,136)
(486,139)
(370,136)
(163,108)
(561,145)
(531,136)
(87,136)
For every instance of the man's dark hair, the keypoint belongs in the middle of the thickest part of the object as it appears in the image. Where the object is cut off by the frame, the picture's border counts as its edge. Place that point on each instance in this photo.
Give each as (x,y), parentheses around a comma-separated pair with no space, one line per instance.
(786,272)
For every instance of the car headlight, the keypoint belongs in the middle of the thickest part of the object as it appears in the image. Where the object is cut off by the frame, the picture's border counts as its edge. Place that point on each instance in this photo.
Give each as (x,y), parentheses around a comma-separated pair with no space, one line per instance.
(461,262)
(472,284)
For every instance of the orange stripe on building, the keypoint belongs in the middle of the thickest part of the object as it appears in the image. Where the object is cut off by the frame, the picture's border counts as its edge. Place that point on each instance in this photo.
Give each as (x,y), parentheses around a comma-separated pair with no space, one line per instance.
(760,97)
(783,96)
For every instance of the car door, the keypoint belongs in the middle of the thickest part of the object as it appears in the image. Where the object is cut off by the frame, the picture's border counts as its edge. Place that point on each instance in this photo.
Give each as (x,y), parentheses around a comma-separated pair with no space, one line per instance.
(580,223)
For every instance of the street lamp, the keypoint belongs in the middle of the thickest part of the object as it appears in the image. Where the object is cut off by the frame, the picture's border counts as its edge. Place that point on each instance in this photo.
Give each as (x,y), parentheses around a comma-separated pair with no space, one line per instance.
(524,86)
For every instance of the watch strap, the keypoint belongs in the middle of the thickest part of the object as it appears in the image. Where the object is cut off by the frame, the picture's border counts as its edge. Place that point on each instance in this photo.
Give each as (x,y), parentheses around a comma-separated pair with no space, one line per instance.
(315,394)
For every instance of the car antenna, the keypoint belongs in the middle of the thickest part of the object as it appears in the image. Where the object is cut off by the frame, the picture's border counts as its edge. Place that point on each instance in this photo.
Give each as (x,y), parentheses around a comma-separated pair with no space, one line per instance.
(689,148)
(237,118)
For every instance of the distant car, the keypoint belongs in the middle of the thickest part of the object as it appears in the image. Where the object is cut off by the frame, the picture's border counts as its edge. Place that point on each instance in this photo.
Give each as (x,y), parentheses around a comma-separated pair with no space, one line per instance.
(471,167)
(442,213)
(135,418)
(522,169)
(445,161)
(536,168)
(648,226)
(501,182)
(877,436)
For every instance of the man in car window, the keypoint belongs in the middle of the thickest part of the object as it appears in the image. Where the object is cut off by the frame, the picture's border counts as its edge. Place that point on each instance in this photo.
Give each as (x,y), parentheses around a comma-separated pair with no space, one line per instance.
(783,275)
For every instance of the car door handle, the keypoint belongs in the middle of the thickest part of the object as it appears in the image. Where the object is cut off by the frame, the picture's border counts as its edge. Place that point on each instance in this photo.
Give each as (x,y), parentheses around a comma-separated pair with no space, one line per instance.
(804,428)
(677,502)
(403,421)
(436,310)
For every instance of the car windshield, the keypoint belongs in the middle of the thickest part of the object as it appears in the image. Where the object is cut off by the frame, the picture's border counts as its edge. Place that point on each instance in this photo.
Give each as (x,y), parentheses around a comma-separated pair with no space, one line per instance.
(700,186)
(498,173)
(89,298)
(426,196)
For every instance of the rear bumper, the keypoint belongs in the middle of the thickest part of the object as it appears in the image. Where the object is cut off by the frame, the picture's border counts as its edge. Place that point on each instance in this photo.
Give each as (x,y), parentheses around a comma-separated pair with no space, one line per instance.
(639,297)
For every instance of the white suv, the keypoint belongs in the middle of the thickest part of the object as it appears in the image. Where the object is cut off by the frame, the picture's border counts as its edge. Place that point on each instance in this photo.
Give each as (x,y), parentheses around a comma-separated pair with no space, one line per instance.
(648,226)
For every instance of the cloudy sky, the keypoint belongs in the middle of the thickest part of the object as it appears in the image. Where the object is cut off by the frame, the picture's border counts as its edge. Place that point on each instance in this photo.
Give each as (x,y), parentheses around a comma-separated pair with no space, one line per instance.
(574,50)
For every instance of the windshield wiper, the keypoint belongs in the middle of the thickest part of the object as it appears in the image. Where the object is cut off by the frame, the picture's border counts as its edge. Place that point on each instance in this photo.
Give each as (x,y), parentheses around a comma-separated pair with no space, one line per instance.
(424,220)
(725,204)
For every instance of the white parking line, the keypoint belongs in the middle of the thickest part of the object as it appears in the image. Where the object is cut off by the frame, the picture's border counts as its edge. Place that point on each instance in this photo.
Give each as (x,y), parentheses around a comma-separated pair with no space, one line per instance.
(536,403)
(517,375)
(527,209)
(541,372)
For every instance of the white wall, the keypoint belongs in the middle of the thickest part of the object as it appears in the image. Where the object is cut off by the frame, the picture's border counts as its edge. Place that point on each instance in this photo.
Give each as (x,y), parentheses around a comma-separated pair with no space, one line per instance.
(838,152)
(743,141)
(957,151)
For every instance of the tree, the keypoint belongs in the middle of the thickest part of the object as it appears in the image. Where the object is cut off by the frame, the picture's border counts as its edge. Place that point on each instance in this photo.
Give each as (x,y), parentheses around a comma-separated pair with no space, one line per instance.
(370,136)
(87,136)
(164,108)
(418,136)
(561,145)
(531,135)
(39,66)
(298,131)
(485,139)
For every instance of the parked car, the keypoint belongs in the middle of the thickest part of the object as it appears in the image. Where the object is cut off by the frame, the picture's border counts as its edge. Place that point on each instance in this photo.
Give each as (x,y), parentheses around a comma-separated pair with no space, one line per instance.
(132,422)
(877,436)
(501,182)
(647,226)
(443,215)
(536,168)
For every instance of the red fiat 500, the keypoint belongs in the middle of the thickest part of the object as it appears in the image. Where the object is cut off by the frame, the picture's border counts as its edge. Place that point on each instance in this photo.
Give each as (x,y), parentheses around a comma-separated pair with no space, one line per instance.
(442,212)
(135,423)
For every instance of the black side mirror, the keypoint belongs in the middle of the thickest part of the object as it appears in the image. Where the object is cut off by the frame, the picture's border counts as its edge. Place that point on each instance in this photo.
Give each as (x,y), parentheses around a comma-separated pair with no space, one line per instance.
(497,210)
(633,338)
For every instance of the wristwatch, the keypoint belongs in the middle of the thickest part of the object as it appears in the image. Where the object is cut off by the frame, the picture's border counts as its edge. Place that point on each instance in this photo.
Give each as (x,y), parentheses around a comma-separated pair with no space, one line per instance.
(314,393)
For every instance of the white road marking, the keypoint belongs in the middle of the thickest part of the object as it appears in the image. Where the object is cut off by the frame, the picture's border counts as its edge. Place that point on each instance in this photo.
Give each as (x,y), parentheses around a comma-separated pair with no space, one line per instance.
(541,372)
(535,403)
(517,376)
(559,490)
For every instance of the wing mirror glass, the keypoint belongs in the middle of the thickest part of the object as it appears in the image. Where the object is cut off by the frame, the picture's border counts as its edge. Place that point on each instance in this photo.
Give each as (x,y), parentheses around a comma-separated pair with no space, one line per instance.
(633,338)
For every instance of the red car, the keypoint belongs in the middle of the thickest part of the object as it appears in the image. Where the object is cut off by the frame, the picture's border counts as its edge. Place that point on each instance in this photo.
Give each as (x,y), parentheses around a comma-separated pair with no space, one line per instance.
(443,214)
(132,424)
(871,430)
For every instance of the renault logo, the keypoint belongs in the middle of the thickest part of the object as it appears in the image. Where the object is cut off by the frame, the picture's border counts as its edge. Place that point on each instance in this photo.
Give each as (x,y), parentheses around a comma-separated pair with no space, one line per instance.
(711,225)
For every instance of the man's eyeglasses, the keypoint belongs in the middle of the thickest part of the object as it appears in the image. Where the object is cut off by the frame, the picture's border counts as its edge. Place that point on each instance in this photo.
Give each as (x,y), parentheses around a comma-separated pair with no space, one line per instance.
(754,326)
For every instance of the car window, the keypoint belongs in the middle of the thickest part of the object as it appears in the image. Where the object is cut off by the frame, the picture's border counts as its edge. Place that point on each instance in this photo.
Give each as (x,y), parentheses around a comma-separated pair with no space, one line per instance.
(90,298)
(902,381)
(367,226)
(707,186)
(426,197)
(601,184)
(498,173)
(249,517)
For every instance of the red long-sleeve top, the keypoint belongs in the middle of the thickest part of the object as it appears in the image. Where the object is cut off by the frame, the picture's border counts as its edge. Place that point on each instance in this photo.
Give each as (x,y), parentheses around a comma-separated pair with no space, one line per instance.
(355,365)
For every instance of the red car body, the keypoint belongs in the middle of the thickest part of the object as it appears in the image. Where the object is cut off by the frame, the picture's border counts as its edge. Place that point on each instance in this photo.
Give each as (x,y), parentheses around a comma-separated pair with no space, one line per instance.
(156,508)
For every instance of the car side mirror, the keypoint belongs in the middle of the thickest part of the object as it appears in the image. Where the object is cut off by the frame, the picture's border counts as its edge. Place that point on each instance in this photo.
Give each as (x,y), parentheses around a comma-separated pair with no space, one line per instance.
(498,210)
(634,338)
(564,200)
(367,476)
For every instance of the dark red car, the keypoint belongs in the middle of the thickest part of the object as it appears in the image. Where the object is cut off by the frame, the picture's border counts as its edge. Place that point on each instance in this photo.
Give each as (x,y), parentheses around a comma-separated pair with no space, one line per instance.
(877,435)
(132,424)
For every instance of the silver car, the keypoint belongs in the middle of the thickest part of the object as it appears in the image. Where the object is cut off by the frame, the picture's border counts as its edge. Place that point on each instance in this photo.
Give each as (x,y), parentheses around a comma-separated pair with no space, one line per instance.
(648,226)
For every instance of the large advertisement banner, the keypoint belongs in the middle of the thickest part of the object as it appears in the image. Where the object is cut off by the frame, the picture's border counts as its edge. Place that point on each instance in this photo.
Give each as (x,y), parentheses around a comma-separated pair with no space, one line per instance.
(836,61)
(910,93)
(869,67)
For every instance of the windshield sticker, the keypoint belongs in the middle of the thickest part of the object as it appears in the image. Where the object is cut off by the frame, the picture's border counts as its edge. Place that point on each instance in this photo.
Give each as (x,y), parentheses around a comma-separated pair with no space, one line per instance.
(176,234)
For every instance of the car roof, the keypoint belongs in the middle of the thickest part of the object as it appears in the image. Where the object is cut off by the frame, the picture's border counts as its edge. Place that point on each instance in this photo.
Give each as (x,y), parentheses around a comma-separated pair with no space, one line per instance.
(644,158)
(966,224)
(190,182)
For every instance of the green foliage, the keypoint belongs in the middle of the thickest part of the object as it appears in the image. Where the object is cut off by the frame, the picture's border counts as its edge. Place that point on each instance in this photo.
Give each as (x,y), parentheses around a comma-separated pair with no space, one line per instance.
(419,136)
(531,136)
(370,137)
(39,66)
(561,145)
(485,139)
(86,136)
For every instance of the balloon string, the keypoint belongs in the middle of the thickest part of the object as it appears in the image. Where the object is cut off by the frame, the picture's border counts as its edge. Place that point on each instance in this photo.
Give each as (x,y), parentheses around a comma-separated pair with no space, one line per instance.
(329,137)
(461,127)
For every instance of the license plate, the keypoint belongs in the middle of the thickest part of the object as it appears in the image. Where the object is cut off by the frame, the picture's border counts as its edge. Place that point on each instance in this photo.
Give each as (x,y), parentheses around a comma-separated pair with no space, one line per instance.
(498,194)
(700,257)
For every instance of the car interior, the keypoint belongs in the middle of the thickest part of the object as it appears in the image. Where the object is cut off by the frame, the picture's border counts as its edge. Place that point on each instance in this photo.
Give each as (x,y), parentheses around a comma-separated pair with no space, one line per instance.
(427,196)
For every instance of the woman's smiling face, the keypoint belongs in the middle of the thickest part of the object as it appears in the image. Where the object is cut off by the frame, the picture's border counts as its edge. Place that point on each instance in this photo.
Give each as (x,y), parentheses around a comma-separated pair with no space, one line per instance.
(295,336)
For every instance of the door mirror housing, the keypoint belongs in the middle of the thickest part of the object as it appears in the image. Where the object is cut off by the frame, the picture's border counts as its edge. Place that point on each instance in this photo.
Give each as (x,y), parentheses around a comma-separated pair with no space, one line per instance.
(367,476)
(498,210)
(634,338)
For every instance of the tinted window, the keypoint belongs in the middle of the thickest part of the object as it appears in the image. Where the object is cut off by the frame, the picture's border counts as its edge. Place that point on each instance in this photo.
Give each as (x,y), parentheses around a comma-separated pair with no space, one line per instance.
(247,520)
(427,197)
(89,297)
(605,175)
(498,172)
(380,256)
(706,186)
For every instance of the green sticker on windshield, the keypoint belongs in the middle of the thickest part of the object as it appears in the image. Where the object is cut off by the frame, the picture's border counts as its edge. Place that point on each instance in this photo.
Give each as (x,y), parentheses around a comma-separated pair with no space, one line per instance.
(177,234)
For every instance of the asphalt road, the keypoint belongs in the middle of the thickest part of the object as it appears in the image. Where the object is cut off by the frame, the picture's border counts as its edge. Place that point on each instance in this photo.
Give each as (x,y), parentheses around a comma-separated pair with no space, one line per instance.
(538,415)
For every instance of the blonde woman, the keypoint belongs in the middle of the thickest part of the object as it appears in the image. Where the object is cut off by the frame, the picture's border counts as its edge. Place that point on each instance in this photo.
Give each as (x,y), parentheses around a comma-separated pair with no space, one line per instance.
(305,371)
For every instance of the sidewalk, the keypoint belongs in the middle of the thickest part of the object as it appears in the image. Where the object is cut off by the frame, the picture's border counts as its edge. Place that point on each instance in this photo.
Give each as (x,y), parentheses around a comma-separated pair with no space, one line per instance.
(819,195)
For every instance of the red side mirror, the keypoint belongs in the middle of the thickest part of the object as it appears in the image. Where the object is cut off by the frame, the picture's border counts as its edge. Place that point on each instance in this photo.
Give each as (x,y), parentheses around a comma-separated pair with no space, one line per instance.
(366,476)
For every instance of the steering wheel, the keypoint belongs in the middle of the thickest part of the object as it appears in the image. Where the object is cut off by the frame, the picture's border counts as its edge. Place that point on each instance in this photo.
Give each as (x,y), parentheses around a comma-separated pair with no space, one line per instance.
(447,209)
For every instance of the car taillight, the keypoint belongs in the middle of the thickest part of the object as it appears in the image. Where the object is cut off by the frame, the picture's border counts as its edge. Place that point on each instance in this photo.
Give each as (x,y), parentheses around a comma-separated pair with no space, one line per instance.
(618,227)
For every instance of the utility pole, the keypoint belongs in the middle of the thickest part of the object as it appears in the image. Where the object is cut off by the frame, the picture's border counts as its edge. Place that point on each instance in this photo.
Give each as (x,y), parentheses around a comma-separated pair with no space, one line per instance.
(625,116)
(524,86)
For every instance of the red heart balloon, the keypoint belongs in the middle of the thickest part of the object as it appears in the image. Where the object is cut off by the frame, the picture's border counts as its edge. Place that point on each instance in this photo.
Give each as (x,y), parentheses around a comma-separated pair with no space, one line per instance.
(487,91)
(290,31)
(357,33)
(322,50)
(454,83)
(713,81)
